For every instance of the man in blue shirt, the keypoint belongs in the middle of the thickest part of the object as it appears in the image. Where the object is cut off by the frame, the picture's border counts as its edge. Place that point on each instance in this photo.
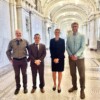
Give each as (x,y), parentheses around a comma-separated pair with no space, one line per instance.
(75,47)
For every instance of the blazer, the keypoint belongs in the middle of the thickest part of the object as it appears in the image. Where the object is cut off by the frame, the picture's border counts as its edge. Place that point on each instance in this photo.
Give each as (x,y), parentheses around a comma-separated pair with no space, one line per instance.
(33,55)
(57,49)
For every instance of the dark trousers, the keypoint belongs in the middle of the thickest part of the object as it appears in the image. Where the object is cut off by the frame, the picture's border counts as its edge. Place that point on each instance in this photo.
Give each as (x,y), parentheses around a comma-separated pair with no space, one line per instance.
(20,65)
(81,69)
(37,69)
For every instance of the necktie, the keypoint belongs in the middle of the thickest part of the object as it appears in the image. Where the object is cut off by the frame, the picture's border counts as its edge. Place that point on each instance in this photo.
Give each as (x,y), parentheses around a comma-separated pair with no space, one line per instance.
(17,42)
(36,47)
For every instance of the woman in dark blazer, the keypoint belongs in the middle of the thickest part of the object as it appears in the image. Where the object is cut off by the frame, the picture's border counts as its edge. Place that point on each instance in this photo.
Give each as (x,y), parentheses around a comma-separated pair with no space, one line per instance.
(57,49)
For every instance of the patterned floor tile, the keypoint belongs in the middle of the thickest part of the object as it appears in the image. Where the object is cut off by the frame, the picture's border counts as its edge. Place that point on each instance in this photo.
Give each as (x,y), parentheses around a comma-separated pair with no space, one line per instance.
(7,83)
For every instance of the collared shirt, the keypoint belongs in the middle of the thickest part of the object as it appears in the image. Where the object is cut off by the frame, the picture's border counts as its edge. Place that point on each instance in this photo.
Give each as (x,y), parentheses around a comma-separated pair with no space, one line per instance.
(75,45)
(17,49)
(37,45)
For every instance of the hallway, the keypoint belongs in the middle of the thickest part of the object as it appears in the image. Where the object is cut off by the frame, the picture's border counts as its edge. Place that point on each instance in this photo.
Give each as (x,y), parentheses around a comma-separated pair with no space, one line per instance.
(43,17)
(92,63)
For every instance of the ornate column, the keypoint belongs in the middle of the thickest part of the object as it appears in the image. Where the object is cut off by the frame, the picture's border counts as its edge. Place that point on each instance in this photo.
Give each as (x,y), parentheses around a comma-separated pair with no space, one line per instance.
(13,17)
(19,14)
(24,17)
(92,37)
(52,29)
(98,30)
(85,32)
(44,31)
(5,31)
(47,30)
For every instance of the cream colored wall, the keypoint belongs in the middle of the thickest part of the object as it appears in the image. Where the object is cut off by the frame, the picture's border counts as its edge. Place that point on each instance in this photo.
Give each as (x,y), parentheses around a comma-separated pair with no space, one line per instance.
(5,30)
(13,16)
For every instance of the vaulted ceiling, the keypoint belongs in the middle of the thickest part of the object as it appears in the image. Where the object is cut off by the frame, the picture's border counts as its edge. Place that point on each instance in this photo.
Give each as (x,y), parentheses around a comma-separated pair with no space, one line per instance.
(63,11)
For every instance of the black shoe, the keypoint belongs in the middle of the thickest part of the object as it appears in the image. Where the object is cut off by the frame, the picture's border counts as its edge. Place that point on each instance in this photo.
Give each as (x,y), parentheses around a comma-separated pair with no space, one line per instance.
(82,94)
(59,90)
(72,89)
(54,88)
(25,90)
(16,91)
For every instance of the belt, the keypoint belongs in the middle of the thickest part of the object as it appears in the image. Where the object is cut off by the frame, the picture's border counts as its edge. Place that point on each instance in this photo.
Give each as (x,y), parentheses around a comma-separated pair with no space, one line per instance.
(19,58)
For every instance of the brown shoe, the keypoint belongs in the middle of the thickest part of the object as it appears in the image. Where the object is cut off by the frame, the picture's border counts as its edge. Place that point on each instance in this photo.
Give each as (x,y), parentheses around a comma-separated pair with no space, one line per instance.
(42,90)
(82,94)
(72,89)
(33,90)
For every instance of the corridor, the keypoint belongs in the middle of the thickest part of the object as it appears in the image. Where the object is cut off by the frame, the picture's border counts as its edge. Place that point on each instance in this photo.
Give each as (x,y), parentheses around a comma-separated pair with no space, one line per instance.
(92,63)
(43,17)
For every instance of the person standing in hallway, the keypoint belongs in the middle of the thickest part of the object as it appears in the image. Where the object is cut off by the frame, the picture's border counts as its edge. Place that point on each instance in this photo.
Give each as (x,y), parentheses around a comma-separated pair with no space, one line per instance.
(75,46)
(57,49)
(37,55)
(17,54)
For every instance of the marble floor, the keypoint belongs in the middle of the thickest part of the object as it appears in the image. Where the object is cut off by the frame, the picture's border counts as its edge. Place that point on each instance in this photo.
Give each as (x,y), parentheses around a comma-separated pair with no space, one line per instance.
(92,63)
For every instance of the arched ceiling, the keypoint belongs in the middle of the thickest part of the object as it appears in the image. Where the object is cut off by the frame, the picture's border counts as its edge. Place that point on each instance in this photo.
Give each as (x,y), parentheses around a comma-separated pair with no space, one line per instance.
(63,11)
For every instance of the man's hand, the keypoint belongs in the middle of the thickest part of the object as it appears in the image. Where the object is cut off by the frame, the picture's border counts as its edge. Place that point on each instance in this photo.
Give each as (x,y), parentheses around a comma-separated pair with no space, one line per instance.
(73,57)
(38,62)
(56,60)
(11,61)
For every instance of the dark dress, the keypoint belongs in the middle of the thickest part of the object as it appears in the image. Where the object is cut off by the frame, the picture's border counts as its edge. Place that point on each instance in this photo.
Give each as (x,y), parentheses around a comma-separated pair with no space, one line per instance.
(57,49)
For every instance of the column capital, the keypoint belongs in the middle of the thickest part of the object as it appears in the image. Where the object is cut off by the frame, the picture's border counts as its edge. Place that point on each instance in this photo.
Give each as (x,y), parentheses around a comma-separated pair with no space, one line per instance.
(94,16)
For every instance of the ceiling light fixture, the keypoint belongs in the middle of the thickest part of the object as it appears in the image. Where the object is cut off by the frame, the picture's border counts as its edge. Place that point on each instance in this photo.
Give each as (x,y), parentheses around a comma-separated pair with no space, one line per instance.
(77,2)
(61,3)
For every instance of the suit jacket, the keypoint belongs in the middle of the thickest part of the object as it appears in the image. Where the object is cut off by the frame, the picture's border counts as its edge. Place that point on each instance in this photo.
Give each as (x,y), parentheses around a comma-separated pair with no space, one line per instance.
(57,48)
(33,55)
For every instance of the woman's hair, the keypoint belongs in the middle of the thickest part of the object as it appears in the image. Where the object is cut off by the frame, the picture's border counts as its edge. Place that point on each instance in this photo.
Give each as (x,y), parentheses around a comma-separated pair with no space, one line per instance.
(57,29)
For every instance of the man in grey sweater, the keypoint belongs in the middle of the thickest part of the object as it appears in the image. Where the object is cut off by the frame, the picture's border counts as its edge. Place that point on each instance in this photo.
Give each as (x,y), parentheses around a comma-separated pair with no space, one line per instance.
(17,55)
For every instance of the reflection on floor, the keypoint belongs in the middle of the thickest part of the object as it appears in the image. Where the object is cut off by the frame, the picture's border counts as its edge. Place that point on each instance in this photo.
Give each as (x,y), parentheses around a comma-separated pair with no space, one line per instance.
(7,83)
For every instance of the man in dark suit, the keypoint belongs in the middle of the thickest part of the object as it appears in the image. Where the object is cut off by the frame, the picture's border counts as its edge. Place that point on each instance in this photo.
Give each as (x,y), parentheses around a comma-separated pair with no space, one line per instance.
(37,55)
